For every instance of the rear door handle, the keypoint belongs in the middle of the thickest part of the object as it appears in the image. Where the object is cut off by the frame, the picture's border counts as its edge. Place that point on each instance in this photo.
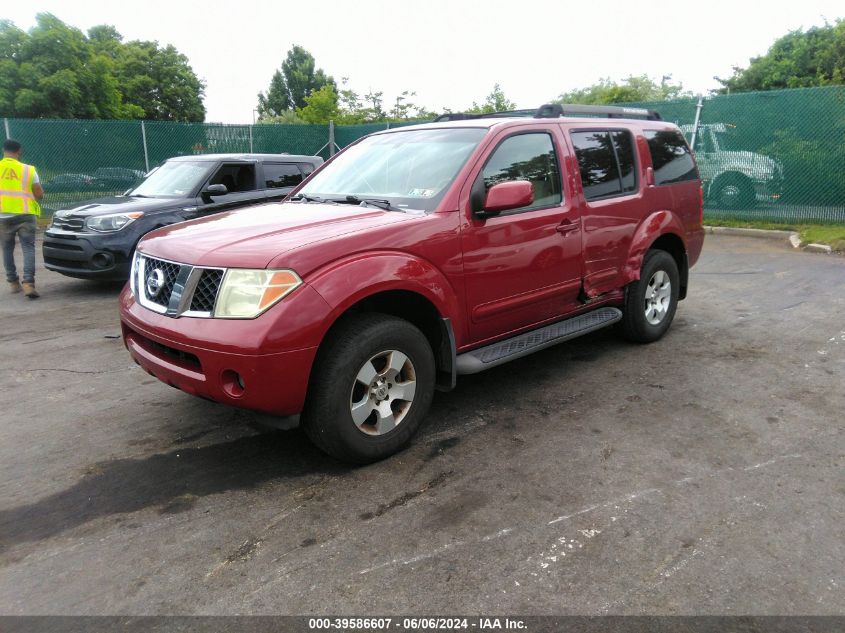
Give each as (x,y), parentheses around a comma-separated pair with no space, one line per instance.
(567,226)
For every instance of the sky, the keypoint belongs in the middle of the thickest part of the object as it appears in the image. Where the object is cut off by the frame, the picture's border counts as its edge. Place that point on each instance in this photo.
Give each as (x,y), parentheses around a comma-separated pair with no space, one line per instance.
(450,53)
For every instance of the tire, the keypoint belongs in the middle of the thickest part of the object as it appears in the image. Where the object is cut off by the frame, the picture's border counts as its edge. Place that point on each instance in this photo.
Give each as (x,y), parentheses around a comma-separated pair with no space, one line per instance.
(732,191)
(649,305)
(371,386)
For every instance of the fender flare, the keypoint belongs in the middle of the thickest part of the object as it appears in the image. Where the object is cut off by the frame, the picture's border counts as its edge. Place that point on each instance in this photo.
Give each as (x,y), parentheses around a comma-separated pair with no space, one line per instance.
(656,225)
(349,280)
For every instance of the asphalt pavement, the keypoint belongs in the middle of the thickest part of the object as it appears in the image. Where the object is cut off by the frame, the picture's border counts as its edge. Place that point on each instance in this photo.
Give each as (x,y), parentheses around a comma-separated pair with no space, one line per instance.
(702,474)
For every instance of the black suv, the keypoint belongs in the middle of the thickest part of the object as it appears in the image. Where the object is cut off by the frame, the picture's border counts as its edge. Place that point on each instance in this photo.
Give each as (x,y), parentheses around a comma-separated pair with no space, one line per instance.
(95,239)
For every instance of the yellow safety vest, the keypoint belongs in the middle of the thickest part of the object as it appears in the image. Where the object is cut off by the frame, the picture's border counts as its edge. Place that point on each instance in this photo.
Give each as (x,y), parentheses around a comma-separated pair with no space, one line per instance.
(16,188)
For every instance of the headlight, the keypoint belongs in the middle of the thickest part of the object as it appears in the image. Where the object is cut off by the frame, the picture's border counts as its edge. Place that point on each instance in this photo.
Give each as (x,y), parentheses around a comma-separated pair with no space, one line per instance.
(244,294)
(133,274)
(111,222)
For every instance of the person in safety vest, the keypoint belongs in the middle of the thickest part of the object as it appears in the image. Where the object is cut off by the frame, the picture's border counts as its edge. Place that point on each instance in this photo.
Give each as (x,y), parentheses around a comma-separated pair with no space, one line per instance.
(20,191)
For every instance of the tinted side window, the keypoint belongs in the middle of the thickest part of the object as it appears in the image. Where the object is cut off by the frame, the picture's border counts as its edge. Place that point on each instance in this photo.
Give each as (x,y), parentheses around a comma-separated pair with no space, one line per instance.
(623,143)
(527,157)
(670,157)
(281,175)
(306,168)
(237,177)
(597,164)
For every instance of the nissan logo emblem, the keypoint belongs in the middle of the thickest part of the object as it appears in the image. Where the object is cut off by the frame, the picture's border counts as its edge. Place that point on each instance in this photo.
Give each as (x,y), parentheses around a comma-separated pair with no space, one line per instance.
(155,282)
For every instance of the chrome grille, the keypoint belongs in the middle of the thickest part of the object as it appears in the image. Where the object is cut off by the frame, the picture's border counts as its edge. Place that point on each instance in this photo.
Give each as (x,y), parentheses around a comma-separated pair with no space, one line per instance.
(159,277)
(205,294)
(68,223)
(175,289)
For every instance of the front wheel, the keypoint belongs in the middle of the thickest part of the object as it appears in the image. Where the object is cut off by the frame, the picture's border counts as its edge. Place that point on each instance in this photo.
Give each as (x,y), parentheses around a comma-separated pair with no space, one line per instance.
(651,301)
(371,387)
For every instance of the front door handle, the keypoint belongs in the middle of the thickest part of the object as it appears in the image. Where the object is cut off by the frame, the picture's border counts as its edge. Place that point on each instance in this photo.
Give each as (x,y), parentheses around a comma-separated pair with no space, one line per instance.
(567,226)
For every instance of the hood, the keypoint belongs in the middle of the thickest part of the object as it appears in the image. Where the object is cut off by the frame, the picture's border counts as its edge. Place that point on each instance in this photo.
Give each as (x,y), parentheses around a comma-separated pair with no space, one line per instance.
(252,237)
(120,204)
(747,159)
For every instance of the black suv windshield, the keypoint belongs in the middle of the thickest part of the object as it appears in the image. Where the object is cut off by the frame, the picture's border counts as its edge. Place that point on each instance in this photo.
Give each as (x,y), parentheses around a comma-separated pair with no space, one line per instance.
(411,169)
(175,179)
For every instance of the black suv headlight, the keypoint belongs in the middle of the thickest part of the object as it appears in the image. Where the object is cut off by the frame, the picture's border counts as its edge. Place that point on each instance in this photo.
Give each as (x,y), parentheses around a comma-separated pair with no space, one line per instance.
(111,222)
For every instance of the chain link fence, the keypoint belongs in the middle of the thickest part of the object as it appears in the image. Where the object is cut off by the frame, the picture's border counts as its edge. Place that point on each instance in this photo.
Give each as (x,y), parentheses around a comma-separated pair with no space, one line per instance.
(773,156)
(78,160)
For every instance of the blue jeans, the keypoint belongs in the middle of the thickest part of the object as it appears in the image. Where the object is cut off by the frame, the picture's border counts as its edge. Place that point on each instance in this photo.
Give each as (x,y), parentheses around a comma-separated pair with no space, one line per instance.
(24,227)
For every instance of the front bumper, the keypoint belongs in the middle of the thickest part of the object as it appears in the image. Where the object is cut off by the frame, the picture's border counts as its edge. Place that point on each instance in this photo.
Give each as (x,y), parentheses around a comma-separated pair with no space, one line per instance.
(769,190)
(220,360)
(86,256)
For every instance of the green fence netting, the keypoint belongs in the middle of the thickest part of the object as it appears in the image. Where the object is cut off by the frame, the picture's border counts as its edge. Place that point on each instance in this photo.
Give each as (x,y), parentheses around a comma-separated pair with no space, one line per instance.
(776,156)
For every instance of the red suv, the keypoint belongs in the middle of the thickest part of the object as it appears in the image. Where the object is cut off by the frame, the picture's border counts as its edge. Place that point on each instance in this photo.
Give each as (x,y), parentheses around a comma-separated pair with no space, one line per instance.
(416,255)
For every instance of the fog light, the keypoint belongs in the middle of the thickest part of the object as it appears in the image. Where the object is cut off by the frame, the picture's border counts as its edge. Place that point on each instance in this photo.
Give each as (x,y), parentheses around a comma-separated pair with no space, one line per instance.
(233,384)
(102,260)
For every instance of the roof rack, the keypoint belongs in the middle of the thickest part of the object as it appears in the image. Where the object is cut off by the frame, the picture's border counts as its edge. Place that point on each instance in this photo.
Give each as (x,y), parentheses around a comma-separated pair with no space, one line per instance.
(463,116)
(555,110)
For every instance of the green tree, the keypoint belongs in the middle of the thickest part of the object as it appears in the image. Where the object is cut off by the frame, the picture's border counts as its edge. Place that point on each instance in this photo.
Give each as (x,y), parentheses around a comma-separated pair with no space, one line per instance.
(403,109)
(632,89)
(52,71)
(496,101)
(55,71)
(799,59)
(351,106)
(160,81)
(321,106)
(297,78)
(375,111)
(288,117)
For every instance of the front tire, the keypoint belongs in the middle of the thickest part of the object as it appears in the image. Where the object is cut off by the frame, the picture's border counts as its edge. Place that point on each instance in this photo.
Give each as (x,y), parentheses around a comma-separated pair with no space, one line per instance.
(651,301)
(370,388)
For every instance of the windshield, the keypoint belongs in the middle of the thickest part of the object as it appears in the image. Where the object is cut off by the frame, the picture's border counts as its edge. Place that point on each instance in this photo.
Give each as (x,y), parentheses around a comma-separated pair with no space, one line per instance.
(410,169)
(175,179)
(728,140)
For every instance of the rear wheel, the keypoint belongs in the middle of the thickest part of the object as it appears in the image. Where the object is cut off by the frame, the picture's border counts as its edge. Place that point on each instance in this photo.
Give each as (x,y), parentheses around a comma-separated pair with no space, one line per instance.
(371,387)
(732,191)
(651,301)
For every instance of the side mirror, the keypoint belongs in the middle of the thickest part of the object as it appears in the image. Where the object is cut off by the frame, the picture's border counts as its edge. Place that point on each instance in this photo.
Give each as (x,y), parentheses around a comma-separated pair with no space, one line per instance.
(507,195)
(215,190)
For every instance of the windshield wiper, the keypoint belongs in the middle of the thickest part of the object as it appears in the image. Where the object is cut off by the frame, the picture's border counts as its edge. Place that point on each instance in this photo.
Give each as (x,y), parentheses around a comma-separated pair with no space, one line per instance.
(138,195)
(375,202)
(306,198)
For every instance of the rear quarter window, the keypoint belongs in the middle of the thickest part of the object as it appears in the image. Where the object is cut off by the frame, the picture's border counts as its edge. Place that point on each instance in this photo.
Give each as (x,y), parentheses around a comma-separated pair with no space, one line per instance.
(277,175)
(670,157)
(606,162)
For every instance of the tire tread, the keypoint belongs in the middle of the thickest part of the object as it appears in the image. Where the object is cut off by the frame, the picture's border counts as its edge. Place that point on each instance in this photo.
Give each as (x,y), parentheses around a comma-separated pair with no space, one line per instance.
(319,417)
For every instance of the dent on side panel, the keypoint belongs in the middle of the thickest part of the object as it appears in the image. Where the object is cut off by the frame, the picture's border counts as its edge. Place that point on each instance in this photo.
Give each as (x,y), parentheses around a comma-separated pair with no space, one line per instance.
(653,227)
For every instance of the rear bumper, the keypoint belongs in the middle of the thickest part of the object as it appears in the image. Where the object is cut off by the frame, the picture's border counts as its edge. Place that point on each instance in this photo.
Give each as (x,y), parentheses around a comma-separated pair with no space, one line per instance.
(85,256)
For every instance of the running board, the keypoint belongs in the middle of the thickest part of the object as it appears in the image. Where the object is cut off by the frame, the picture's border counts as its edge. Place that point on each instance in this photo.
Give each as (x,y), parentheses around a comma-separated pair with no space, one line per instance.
(521,345)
